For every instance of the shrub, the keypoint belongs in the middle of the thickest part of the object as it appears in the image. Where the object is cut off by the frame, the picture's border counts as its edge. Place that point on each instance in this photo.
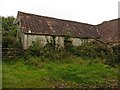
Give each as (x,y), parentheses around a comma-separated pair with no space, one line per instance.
(47,51)
(91,50)
(35,49)
(112,56)
(95,50)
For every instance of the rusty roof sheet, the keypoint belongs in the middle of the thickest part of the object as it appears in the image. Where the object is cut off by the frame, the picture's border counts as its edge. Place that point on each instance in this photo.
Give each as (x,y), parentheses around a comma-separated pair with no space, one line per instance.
(110,31)
(36,24)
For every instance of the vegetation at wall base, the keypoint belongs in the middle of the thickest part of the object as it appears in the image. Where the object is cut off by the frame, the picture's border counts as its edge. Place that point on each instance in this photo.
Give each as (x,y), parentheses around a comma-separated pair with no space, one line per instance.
(89,50)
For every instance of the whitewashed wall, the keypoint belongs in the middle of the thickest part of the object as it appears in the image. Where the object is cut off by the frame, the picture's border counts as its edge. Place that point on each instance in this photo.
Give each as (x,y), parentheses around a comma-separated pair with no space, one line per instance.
(59,42)
(76,41)
(27,40)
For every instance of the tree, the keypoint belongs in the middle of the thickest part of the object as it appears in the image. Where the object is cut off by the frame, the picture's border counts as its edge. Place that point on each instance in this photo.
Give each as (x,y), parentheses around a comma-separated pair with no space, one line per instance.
(9,31)
(8,26)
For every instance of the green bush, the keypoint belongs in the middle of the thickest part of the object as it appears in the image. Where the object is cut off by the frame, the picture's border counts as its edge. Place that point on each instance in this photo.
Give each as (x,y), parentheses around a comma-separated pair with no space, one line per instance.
(9,33)
(90,50)
(95,50)
(35,49)
(112,56)
(9,42)
(46,52)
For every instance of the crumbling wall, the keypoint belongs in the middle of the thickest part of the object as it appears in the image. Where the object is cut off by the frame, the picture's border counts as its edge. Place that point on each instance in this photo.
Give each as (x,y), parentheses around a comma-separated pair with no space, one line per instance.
(76,41)
(27,40)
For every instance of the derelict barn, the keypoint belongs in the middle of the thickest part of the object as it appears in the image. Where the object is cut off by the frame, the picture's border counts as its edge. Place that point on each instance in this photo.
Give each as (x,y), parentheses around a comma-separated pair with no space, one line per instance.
(62,32)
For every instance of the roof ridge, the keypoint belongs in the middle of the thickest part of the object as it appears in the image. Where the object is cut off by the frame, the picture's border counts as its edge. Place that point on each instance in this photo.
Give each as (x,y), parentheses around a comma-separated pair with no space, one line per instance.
(56,18)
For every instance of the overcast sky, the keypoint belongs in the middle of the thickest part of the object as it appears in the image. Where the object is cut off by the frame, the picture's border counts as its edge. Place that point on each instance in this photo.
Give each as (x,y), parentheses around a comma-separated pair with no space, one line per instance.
(87,11)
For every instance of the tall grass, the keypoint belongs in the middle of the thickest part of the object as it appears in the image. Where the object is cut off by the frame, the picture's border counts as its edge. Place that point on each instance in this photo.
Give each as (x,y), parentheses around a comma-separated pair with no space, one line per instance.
(77,73)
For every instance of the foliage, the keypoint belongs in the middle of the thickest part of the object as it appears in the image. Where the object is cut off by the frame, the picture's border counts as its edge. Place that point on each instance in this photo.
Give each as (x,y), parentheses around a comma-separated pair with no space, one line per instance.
(9,32)
(35,49)
(95,50)
(47,51)
(8,26)
(91,50)
(112,56)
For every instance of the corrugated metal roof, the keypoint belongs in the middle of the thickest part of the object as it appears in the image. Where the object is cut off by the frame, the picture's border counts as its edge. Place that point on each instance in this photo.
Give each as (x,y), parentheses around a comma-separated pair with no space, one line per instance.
(36,24)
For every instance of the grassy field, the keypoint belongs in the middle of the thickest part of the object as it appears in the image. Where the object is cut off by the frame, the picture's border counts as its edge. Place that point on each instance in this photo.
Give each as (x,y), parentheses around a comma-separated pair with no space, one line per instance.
(73,73)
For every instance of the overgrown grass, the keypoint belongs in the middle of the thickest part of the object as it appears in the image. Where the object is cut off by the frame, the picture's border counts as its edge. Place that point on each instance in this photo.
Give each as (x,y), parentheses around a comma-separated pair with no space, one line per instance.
(70,73)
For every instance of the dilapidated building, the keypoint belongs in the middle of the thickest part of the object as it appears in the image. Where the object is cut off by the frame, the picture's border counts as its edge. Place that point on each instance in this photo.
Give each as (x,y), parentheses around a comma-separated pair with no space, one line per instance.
(61,32)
